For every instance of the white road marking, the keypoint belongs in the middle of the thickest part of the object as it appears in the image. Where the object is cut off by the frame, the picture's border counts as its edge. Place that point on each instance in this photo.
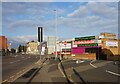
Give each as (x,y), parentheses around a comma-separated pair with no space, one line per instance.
(61,70)
(113,73)
(64,74)
(17,75)
(37,62)
(92,64)
(25,59)
(4,81)
(14,61)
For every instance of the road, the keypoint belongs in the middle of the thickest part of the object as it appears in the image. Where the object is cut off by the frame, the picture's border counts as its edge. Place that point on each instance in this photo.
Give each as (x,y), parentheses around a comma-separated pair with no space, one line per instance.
(84,72)
(66,71)
(16,65)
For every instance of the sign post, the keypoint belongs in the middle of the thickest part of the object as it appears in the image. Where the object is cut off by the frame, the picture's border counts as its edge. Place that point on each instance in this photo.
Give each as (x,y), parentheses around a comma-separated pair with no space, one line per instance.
(65,43)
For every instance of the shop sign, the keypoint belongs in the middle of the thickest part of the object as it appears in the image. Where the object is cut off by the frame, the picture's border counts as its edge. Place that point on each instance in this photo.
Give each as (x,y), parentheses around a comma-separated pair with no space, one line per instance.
(110,43)
(86,45)
(85,38)
(84,42)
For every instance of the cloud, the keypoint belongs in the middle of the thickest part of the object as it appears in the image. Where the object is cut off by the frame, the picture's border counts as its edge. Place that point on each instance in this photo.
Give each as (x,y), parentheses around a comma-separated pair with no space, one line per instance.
(89,18)
(103,9)
(80,12)
(22,23)
(28,1)
(59,0)
(23,39)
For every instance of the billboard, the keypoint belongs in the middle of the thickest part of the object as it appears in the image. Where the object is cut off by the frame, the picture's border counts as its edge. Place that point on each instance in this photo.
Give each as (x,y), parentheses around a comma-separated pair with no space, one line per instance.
(85,45)
(51,44)
(110,43)
(85,38)
(51,40)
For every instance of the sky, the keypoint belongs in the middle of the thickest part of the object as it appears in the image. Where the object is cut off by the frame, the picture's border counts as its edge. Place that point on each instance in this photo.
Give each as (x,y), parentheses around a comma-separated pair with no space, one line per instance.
(20,20)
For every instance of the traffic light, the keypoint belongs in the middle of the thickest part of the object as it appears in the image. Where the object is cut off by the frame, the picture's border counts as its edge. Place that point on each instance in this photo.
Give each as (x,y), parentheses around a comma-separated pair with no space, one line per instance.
(40,34)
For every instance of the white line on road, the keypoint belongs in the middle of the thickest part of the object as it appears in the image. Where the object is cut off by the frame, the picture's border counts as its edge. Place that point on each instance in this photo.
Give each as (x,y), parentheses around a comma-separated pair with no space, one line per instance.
(25,59)
(14,61)
(4,81)
(92,64)
(112,73)
(61,70)
(17,75)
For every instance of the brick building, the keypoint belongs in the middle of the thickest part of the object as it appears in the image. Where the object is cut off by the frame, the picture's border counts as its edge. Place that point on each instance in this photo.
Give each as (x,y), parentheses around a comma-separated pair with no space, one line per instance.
(3,42)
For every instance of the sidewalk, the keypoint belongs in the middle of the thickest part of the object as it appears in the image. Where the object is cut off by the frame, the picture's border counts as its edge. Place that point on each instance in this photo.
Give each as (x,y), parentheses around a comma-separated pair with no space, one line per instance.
(49,73)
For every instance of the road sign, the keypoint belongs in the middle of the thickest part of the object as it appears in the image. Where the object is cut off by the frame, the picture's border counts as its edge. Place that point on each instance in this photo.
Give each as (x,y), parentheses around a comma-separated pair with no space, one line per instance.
(65,43)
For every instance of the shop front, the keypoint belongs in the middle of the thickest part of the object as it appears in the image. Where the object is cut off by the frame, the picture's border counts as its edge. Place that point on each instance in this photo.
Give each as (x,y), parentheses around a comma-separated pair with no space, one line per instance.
(86,48)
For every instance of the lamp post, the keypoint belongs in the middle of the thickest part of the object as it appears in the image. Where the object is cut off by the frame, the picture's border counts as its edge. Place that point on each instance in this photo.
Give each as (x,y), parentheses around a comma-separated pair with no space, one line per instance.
(56,35)
(60,49)
(10,48)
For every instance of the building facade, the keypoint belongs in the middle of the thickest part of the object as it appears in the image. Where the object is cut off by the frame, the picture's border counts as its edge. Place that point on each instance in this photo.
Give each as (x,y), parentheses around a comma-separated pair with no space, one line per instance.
(32,48)
(3,42)
(88,47)
(110,44)
(3,46)
(96,47)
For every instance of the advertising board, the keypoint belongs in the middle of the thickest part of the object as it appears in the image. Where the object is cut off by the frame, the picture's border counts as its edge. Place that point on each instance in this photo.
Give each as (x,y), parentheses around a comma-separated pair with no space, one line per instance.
(110,43)
(85,38)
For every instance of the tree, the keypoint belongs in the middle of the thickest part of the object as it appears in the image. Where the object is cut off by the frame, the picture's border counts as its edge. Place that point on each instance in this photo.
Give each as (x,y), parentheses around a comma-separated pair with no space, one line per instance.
(24,48)
(20,48)
(13,50)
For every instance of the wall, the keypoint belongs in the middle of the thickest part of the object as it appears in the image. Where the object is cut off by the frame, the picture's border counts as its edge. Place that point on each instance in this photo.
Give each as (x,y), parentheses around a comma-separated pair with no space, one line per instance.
(85,56)
(81,50)
(32,48)
(110,49)
(78,50)
(3,42)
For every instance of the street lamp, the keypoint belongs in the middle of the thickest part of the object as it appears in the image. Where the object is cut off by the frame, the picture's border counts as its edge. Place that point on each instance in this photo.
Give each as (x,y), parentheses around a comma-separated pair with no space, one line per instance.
(59,44)
(56,35)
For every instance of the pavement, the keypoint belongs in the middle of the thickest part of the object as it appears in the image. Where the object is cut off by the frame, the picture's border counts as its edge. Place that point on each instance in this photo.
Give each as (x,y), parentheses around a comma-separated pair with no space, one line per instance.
(49,73)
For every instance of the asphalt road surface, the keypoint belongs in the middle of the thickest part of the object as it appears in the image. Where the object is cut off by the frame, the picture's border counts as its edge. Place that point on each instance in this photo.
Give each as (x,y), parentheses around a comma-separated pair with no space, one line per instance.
(16,65)
(81,71)
(86,72)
